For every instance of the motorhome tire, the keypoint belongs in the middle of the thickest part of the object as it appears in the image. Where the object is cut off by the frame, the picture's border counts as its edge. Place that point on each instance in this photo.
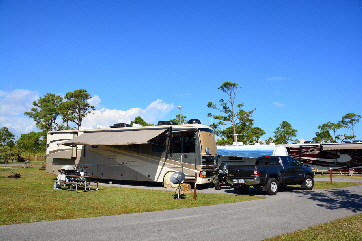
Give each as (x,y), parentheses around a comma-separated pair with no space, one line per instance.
(272,186)
(166,180)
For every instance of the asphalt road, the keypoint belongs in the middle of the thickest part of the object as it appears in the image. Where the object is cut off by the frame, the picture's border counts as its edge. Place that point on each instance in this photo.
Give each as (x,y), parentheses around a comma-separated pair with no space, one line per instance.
(252,220)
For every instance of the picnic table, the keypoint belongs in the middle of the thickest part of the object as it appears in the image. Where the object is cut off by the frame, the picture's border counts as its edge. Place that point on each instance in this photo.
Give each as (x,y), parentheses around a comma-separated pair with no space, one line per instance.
(69,181)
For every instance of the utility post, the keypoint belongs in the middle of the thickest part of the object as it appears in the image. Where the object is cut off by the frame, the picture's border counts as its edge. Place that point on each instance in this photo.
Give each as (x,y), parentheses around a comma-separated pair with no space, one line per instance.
(180,107)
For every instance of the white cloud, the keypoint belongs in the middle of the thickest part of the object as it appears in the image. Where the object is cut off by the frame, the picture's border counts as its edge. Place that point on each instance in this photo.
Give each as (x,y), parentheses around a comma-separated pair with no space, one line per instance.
(277,104)
(105,117)
(12,107)
(275,78)
(95,101)
(2,93)
(17,102)
(14,104)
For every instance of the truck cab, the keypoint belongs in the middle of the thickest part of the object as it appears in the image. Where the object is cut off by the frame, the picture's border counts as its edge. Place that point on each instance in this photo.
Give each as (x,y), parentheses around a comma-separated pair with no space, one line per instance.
(271,173)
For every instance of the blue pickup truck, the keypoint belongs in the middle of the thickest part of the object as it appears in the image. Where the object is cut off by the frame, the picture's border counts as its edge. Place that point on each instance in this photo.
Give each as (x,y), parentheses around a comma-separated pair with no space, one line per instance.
(271,173)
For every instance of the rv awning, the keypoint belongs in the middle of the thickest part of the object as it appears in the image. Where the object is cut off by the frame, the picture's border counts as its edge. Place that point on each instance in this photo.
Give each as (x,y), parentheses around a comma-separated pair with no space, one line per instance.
(347,146)
(128,137)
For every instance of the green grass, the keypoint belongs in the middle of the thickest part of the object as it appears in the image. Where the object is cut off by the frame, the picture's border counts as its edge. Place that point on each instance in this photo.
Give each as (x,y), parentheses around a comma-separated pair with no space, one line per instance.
(32,198)
(338,176)
(349,228)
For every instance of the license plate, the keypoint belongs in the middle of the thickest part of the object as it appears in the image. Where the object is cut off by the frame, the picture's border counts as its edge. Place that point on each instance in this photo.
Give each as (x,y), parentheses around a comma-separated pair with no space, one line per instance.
(241,181)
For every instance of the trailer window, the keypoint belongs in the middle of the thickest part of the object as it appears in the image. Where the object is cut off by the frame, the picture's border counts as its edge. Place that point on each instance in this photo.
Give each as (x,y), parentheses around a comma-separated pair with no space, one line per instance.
(329,155)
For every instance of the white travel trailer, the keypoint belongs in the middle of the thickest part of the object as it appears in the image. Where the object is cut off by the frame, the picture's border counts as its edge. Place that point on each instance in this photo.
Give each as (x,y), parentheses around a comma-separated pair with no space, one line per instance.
(151,153)
(247,154)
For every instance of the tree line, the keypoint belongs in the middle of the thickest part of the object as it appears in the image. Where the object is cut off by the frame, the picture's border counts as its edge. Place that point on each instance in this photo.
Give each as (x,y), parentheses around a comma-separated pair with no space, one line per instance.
(50,113)
(233,124)
(241,124)
(73,108)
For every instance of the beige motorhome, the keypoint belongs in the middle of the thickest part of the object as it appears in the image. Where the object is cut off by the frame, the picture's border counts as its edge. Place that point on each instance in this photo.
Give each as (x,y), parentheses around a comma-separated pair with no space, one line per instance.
(151,153)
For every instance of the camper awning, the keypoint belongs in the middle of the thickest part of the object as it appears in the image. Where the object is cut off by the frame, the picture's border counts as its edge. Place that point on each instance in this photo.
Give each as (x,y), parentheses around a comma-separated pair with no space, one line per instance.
(342,146)
(128,137)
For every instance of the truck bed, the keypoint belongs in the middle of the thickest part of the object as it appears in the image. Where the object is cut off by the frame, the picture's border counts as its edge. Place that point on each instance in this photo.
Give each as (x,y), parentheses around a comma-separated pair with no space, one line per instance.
(244,173)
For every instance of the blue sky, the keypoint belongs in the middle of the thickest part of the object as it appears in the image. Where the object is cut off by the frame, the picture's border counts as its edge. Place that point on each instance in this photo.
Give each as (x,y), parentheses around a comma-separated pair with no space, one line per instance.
(296,61)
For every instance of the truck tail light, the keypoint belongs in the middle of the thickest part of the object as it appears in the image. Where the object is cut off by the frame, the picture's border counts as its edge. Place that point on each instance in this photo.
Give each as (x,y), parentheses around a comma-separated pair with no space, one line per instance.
(202,174)
(256,172)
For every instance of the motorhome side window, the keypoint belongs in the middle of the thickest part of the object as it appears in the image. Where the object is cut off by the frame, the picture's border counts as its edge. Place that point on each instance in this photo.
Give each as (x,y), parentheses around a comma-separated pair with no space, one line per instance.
(176,144)
(183,144)
(189,144)
(158,144)
(180,144)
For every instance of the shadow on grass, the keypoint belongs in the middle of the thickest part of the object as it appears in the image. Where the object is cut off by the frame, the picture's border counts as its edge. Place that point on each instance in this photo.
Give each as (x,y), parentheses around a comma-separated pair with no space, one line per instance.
(129,183)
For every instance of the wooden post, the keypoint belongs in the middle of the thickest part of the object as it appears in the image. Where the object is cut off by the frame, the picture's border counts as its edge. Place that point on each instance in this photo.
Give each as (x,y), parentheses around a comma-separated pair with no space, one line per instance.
(195,185)
(330,174)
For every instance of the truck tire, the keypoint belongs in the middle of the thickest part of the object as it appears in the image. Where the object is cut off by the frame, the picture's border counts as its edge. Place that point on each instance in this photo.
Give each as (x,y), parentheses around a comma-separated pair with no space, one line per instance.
(308,183)
(272,186)
(242,188)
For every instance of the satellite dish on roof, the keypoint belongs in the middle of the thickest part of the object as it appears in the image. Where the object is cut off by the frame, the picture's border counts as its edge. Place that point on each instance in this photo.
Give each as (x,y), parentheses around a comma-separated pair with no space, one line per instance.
(177,177)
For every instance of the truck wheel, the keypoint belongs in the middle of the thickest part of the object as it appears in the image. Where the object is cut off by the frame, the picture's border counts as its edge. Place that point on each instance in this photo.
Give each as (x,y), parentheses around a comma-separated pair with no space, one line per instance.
(308,183)
(272,186)
(243,188)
